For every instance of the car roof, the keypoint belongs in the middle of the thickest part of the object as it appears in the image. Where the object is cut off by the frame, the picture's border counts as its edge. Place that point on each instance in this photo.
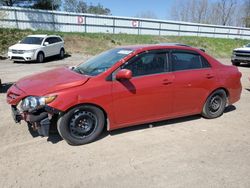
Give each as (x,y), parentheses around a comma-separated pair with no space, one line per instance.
(43,36)
(160,46)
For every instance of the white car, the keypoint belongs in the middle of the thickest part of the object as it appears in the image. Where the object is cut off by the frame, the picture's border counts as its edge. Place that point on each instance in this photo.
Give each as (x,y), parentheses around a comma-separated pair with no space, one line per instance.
(241,55)
(37,48)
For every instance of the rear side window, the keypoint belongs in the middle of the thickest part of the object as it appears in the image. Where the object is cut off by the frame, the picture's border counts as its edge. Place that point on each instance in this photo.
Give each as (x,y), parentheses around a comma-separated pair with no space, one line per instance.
(188,61)
(56,39)
(147,63)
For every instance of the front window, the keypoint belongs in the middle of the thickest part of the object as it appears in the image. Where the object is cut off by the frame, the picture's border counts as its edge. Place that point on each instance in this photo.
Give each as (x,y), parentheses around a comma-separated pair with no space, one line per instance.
(32,40)
(148,63)
(102,62)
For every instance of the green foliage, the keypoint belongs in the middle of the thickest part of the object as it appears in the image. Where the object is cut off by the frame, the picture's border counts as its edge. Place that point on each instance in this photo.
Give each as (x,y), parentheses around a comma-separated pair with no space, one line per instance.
(82,7)
(98,9)
(94,43)
(46,4)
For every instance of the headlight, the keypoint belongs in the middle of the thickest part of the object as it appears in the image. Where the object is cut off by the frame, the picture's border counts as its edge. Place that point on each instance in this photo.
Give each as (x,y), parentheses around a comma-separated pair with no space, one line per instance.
(31,103)
(9,50)
(29,51)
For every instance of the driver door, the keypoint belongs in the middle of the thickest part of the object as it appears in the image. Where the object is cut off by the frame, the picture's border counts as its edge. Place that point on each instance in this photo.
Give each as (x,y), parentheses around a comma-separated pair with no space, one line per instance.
(148,95)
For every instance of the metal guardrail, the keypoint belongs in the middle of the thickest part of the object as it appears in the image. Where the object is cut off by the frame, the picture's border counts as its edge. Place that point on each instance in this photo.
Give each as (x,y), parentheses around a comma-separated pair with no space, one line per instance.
(24,18)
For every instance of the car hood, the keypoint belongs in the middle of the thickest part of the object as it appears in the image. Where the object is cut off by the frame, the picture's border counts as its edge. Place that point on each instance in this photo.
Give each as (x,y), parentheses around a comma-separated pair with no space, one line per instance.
(24,47)
(242,49)
(51,81)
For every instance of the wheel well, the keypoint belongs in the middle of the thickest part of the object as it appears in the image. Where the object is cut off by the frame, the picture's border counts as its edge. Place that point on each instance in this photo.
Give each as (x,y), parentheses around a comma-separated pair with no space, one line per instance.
(224,89)
(41,52)
(91,104)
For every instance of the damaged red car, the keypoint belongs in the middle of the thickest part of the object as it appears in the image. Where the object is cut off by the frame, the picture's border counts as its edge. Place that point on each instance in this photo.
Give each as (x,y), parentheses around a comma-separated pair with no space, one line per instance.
(123,87)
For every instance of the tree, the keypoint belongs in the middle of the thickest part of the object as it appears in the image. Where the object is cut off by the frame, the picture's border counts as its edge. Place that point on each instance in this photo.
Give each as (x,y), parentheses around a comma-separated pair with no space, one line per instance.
(147,14)
(246,13)
(81,7)
(46,4)
(98,9)
(75,6)
(226,10)
(15,2)
(222,12)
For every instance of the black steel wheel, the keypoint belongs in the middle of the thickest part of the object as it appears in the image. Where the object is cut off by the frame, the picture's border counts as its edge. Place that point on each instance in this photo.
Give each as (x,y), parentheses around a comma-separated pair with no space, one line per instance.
(215,104)
(81,124)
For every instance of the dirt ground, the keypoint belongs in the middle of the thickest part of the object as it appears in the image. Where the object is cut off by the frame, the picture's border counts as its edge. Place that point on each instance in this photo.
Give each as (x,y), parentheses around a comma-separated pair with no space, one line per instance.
(185,152)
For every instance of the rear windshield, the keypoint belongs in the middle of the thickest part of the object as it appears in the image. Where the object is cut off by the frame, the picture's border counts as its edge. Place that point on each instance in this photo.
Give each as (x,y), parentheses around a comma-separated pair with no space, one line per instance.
(32,40)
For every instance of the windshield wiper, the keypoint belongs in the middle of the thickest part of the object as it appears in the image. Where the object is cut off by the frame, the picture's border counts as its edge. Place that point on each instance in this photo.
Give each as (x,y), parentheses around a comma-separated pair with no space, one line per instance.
(78,70)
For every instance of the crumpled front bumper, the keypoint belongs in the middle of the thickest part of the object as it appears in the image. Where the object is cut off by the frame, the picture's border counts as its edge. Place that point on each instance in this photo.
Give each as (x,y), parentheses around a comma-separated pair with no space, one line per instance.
(39,120)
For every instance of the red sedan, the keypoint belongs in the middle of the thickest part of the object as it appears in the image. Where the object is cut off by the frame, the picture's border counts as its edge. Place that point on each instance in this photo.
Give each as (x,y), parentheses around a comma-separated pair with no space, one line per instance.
(123,87)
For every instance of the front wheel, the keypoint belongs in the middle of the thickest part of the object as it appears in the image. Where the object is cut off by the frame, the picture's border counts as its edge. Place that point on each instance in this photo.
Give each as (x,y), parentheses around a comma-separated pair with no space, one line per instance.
(215,104)
(236,63)
(81,125)
(40,57)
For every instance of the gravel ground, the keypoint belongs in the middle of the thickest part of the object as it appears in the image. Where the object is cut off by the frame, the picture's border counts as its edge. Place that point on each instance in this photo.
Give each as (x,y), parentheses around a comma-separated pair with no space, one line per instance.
(185,152)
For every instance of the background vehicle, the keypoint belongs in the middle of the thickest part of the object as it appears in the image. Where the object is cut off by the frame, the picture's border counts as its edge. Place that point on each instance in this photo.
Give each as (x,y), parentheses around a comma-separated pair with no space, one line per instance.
(123,87)
(241,55)
(37,48)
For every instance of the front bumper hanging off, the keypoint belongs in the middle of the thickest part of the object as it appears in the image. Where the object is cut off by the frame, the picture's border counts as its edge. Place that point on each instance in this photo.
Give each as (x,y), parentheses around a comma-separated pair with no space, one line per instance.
(39,121)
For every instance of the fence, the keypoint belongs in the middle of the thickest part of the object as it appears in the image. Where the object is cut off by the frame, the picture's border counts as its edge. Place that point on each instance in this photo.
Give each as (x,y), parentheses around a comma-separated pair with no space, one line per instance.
(24,18)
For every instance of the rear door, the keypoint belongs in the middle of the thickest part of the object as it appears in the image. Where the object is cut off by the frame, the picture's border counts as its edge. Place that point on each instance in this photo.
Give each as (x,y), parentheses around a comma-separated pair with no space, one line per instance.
(48,50)
(194,80)
(148,95)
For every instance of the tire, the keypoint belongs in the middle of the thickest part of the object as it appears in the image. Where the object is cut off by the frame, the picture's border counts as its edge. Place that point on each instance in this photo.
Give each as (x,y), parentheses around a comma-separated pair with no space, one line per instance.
(81,125)
(215,104)
(61,54)
(236,63)
(40,57)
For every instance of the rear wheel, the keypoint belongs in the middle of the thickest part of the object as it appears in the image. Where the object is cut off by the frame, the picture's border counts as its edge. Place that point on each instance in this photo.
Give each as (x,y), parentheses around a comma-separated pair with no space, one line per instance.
(81,125)
(215,104)
(40,57)
(61,54)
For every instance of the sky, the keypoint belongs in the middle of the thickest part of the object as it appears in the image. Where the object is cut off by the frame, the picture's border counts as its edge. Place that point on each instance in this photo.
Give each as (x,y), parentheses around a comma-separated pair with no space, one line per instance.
(130,8)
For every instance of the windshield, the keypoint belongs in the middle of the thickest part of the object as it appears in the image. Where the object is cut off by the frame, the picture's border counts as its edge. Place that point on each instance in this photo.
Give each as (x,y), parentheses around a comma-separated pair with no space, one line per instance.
(102,62)
(248,45)
(32,40)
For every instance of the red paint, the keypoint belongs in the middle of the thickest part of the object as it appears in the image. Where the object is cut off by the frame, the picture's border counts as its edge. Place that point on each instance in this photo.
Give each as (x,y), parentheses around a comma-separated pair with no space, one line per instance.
(80,20)
(135,23)
(137,100)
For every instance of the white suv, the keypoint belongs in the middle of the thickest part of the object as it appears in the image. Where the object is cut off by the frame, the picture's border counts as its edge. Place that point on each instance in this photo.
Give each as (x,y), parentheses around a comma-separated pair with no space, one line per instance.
(36,48)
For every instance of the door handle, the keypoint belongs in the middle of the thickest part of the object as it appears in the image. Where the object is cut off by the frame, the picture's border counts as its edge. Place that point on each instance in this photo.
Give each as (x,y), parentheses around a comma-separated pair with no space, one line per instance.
(167,82)
(209,76)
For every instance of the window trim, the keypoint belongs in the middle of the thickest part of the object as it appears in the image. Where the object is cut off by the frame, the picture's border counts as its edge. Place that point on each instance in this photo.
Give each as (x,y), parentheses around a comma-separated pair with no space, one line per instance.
(189,52)
(166,62)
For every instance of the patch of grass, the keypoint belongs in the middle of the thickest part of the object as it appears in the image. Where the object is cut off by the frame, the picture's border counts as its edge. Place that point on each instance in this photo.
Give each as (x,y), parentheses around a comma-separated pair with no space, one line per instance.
(94,43)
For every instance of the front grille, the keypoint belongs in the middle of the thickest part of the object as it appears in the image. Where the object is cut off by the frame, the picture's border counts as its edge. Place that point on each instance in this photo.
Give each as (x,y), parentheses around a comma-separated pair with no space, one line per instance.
(18,51)
(16,57)
(242,52)
(242,55)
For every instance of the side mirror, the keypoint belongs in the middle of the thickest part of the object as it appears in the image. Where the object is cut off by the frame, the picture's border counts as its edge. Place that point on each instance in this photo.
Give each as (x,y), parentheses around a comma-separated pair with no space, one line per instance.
(46,44)
(123,74)
(19,41)
(244,46)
